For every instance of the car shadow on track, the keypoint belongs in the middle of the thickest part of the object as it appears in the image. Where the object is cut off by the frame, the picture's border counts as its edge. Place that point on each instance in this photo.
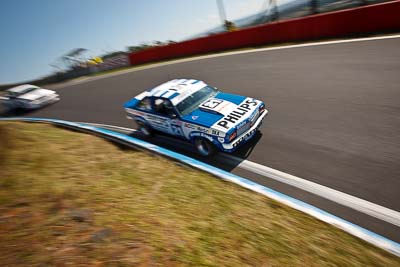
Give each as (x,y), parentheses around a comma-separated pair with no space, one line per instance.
(14,112)
(187,149)
(20,112)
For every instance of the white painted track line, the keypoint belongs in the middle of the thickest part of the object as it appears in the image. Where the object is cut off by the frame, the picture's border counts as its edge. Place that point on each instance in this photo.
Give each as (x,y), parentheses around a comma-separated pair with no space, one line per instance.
(361,205)
(111,127)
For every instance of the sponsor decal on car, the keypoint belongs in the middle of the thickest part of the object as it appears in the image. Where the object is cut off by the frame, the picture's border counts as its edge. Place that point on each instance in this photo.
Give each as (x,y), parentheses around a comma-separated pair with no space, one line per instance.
(189,125)
(229,121)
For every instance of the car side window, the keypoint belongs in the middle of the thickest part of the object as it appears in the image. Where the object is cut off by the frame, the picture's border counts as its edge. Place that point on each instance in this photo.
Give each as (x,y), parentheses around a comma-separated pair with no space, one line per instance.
(163,107)
(11,95)
(145,104)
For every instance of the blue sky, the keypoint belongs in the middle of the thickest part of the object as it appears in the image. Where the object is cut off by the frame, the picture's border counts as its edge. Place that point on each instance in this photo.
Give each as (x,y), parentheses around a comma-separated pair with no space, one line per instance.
(34,33)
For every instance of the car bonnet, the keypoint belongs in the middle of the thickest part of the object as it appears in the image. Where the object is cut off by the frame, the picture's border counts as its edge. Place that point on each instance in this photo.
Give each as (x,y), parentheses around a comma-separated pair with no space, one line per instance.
(36,94)
(223,112)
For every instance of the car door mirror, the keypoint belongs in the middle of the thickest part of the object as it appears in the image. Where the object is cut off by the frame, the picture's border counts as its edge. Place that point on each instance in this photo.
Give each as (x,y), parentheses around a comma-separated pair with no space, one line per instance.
(172,114)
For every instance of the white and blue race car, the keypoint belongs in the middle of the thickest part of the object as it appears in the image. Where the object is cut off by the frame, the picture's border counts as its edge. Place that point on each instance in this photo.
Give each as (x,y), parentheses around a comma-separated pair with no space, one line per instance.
(192,110)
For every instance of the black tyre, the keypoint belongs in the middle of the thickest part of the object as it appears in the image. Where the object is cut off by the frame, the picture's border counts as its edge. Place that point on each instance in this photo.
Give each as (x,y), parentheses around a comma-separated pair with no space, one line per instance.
(144,129)
(204,147)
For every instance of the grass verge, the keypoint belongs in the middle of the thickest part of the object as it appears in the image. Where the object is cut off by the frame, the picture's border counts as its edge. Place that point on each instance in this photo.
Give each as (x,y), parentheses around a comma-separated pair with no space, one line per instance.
(72,199)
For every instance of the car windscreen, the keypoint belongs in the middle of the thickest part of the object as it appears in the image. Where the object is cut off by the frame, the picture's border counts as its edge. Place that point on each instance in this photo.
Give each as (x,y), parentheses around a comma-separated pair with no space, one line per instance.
(192,102)
(25,91)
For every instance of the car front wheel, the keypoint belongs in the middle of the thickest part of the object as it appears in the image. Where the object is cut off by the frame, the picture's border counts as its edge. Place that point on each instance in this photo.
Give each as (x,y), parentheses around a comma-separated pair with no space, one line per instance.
(144,129)
(204,147)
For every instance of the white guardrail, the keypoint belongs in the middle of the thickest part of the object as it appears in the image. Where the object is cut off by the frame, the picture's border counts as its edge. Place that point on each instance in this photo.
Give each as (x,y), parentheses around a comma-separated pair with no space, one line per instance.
(353,229)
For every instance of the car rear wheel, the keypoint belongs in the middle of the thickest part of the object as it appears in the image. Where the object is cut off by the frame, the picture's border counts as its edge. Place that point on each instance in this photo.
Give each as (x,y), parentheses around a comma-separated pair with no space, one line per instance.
(204,147)
(144,129)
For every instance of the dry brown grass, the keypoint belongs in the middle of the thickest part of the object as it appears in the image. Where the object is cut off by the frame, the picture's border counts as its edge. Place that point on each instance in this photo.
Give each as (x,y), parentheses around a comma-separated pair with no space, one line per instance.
(72,199)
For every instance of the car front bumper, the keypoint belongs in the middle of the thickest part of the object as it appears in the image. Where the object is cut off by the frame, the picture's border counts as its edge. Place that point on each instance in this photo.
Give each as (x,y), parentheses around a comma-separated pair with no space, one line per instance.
(244,137)
(46,101)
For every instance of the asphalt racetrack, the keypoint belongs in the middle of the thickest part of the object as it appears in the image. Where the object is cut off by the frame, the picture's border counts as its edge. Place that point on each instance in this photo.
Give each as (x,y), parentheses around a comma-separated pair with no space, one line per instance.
(334,116)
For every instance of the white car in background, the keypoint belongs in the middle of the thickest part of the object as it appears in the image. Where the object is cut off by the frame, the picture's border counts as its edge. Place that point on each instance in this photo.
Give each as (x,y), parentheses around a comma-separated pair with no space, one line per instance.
(28,96)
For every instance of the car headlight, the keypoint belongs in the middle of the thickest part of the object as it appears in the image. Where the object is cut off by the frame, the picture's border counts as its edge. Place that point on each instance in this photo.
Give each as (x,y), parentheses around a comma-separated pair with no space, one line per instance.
(232,136)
